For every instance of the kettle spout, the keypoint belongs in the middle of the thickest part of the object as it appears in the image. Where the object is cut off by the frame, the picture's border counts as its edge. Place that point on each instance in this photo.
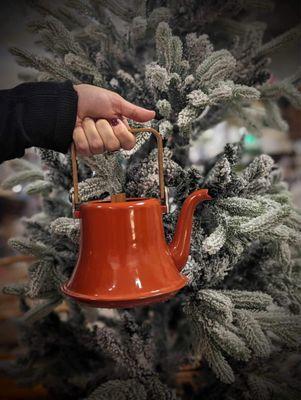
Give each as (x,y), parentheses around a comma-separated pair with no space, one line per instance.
(180,245)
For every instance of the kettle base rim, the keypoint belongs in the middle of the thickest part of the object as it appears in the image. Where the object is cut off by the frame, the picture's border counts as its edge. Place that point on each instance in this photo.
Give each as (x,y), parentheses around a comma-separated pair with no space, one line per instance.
(122,302)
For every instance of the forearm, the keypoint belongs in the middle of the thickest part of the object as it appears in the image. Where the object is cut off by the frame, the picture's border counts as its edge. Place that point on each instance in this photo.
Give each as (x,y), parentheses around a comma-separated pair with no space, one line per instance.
(41,114)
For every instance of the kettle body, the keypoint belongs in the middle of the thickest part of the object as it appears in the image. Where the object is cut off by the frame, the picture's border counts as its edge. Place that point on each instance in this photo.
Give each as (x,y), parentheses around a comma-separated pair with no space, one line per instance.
(124,260)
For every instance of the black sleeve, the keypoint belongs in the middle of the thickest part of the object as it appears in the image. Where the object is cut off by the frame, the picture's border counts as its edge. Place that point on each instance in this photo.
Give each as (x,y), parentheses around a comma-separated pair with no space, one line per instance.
(41,114)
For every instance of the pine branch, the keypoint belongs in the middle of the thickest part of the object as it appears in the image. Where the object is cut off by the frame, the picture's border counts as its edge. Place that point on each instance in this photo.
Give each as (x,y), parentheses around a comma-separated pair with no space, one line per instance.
(40,310)
(22,177)
(215,241)
(250,329)
(249,300)
(217,67)
(218,363)
(56,37)
(230,343)
(54,68)
(39,187)
(280,41)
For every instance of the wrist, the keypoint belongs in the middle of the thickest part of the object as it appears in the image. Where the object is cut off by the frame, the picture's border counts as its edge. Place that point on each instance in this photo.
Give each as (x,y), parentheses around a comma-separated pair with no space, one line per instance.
(77,88)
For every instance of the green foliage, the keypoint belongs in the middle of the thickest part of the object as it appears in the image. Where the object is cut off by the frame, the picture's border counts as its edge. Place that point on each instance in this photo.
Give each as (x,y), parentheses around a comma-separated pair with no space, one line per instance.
(120,389)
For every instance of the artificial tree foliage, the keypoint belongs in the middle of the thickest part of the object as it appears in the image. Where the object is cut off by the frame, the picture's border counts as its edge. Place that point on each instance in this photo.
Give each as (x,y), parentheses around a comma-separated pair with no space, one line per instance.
(237,322)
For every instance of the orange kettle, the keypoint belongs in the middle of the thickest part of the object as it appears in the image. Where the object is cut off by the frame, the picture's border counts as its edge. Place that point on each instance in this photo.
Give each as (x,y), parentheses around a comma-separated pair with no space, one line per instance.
(124,260)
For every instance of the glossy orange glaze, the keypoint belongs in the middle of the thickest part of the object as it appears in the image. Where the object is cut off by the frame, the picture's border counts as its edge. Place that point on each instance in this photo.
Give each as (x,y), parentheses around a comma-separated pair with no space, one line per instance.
(124,260)
(180,245)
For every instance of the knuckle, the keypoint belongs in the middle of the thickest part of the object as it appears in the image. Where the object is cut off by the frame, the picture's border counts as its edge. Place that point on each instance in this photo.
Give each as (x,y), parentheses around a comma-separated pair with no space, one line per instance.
(76,130)
(113,145)
(87,122)
(96,146)
(82,148)
(101,123)
(116,100)
(129,145)
(128,140)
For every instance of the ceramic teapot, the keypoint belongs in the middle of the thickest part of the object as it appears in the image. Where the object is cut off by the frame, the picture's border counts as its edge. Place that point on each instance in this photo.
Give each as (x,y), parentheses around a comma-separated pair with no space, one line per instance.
(124,260)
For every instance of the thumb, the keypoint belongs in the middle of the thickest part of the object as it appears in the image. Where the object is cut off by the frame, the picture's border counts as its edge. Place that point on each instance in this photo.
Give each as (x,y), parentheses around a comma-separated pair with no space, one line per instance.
(134,112)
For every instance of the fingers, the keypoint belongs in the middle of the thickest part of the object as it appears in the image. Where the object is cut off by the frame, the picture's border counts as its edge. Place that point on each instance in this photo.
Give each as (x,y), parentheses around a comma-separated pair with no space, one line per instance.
(81,142)
(105,130)
(125,122)
(126,139)
(94,139)
(134,112)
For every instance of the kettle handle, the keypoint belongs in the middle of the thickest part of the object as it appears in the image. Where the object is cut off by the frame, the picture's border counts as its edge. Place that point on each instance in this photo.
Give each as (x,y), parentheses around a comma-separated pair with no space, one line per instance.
(75,197)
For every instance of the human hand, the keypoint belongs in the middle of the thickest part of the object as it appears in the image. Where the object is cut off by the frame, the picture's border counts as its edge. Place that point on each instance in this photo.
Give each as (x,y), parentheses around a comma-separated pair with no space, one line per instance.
(101,123)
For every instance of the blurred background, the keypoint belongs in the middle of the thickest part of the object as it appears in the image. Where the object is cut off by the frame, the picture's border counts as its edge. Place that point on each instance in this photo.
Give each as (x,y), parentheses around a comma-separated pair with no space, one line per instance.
(284,147)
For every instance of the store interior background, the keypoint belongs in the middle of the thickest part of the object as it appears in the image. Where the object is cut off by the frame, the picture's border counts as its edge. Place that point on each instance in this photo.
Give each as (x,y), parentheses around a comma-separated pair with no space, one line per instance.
(284,147)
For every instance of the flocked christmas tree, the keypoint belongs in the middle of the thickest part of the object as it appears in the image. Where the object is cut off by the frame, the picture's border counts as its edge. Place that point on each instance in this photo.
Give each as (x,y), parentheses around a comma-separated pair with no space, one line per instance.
(238,321)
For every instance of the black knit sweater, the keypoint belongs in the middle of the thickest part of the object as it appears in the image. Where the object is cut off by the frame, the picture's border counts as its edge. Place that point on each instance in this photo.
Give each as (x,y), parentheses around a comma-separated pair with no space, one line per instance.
(41,114)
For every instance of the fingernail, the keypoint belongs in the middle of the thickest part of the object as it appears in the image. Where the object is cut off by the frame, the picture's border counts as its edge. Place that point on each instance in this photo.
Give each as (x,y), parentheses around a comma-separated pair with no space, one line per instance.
(114,121)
